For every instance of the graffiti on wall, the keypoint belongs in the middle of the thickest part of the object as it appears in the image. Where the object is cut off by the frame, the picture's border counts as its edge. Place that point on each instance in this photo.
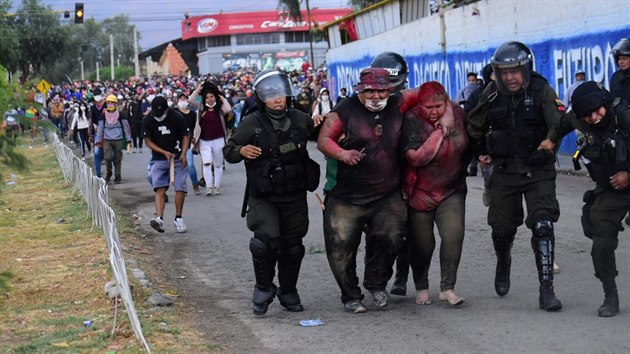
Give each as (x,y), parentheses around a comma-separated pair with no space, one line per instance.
(557,59)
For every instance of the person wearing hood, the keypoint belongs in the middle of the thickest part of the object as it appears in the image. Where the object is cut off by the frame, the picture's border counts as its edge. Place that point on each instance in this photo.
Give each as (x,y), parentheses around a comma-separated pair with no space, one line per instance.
(471,85)
(604,121)
(272,141)
(112,135)
(166,133)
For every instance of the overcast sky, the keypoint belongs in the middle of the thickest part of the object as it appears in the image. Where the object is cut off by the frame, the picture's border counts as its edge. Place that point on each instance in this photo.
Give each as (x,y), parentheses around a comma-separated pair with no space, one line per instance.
(160,20)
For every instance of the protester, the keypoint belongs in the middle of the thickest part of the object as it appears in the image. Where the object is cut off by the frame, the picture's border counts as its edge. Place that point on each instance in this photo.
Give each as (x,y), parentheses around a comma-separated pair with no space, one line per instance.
(113,131)
(81,123)
(363,187)
(191,121)
(167,135)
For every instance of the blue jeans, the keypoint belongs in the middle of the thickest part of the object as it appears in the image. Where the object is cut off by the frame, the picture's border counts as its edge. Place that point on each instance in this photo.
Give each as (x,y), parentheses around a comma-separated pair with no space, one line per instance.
(98,158)
(192,171)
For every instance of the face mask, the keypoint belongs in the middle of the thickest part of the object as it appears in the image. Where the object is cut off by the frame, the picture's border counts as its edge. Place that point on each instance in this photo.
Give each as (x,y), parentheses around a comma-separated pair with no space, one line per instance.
(150,98)
(325,97)
(83,108)
(376,105)
(182,104)
(75,108)
(98,98)
(169,103)
(160,118)
(227,95)
(211,106)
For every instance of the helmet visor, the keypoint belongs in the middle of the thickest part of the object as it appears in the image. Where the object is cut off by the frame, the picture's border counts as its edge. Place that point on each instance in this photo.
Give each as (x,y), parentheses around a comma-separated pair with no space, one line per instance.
(272,86)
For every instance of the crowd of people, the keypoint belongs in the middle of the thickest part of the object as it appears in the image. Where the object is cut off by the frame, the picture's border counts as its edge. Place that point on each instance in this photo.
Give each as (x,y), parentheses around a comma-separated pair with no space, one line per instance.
(397,162)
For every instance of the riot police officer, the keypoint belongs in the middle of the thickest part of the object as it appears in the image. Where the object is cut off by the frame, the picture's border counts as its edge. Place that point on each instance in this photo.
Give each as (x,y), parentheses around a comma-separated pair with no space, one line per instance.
(620,80)
(272,141)
(515,112)
(605,122)
(398,70)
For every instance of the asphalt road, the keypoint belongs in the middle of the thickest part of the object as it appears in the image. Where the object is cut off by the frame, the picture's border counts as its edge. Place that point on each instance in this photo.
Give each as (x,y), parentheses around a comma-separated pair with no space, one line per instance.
(211,268)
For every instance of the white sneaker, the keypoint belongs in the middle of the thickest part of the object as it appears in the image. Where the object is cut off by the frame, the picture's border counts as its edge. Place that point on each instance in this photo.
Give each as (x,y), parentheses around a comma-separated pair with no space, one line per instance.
(209,191)
(157,224)
(216,190)
(179,225)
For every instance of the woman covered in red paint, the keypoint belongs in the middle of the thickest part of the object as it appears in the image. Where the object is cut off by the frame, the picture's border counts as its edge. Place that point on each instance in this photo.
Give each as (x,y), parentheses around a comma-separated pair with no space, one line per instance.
(434,186)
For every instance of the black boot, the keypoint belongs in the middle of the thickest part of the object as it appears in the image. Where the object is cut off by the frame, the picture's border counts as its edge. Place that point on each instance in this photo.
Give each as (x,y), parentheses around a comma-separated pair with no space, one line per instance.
(265,290)
(503,249)
(544,254)
(289,262)
(610,307)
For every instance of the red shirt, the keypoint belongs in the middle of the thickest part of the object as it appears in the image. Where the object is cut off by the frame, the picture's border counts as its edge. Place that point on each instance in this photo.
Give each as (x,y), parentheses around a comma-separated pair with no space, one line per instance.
(211,126)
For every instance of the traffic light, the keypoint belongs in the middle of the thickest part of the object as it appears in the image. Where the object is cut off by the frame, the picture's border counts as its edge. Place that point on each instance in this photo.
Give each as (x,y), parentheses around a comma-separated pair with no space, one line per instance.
(78,12)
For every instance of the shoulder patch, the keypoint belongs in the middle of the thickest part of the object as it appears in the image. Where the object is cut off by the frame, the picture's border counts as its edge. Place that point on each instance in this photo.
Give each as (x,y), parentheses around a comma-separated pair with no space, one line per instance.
(560,105)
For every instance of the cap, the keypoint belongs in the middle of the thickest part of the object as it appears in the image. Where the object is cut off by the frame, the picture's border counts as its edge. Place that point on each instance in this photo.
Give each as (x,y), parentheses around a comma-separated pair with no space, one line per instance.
(159,106)
(374,79)
(323,89)
(588,97)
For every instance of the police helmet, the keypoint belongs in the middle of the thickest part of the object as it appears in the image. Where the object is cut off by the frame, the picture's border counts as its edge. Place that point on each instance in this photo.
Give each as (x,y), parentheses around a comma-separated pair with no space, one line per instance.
(621,48)
(271,84)
(397,67)
(512,55)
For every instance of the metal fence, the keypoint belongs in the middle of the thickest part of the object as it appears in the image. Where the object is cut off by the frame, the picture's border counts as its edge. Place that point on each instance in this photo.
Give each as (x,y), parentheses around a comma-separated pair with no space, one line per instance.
(94,191)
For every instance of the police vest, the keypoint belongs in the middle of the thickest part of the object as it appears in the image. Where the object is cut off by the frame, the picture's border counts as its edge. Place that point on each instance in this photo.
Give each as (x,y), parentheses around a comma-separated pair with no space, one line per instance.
(517,129)
(606,150)
(281,168)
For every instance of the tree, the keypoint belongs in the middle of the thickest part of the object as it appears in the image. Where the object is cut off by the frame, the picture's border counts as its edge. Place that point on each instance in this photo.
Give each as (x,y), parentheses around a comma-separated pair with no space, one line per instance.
(361,4)
(42,38)
(9,45)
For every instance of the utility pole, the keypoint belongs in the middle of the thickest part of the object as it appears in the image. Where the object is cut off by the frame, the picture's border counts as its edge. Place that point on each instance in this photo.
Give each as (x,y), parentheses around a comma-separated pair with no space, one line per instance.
(136,63)
(111,54)
(98,72)
(82,76)
(310,33)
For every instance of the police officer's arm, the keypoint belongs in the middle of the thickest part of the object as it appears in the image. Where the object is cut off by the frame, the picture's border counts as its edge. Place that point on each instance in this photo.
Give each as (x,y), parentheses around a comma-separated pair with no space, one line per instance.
(560,128)
(477,125)
(558,122)
(419,147)
(621,179)
(329,135)
(241,143)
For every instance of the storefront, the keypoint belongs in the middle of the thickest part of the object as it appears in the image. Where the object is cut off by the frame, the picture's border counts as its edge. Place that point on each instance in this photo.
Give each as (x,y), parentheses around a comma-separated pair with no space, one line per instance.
(263,39)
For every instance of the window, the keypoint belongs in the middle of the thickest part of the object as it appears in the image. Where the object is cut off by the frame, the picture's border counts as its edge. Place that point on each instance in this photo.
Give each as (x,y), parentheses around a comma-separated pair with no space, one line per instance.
(219,41)
(296,37)
(258,38)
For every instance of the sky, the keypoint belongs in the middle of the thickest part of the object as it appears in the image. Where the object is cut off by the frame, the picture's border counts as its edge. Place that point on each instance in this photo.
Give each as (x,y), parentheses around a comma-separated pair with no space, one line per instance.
(159,21)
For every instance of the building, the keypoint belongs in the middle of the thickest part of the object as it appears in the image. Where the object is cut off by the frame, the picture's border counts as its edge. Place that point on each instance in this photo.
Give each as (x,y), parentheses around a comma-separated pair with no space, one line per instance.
(264,39)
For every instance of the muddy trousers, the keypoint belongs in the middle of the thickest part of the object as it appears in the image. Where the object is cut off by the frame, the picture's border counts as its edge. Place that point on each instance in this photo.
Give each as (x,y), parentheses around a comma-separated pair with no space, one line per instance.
(113,156)
(343,226)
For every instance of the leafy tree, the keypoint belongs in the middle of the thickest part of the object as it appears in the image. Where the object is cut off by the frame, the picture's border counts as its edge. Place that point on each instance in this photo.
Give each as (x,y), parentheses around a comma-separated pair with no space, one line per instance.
(9,45)
(361,4)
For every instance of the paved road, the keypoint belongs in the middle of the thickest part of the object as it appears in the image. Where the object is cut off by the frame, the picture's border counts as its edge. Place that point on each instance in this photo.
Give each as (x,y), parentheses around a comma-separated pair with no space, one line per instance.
(215,261)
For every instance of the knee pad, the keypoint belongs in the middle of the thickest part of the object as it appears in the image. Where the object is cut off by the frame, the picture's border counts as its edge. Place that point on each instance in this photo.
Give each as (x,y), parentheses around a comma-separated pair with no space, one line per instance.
(258,247)
(261,240)
(543,229)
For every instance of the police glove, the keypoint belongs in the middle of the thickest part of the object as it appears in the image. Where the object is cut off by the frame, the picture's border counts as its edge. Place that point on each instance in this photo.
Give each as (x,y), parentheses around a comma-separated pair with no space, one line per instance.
(540,158)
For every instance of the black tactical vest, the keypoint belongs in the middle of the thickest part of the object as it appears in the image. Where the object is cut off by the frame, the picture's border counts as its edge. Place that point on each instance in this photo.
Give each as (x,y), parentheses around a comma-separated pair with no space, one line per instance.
(606,150)
(281,168)
(517,123)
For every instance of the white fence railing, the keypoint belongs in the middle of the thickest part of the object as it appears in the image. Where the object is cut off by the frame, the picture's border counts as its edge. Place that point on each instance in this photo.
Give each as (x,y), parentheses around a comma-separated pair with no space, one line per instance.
(94,191)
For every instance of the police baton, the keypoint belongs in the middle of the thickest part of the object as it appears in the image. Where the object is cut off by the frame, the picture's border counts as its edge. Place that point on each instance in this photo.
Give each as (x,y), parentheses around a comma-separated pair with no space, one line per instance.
(245,198)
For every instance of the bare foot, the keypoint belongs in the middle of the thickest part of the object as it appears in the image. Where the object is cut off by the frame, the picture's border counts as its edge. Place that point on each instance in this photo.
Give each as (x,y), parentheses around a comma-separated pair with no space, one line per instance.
(451,297)
(422,298)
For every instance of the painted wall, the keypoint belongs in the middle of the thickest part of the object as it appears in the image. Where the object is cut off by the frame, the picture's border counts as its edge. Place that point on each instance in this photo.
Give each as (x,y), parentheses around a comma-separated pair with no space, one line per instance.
(562,42)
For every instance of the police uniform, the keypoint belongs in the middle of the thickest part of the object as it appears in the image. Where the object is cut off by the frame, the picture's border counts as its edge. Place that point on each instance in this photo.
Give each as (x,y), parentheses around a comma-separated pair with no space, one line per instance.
(509,128)
(604,147)
(277,182)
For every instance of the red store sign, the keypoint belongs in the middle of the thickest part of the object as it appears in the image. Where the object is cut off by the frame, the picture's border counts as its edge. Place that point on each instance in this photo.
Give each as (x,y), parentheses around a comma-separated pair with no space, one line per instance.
(255,22)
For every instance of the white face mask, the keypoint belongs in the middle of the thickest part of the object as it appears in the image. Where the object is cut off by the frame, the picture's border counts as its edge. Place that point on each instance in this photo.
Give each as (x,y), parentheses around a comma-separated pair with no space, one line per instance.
(82,108)
(376,105)
(211,106)
(169,103)
(160,118)
(182,104)
(325,97)
(98,98)
(150,98)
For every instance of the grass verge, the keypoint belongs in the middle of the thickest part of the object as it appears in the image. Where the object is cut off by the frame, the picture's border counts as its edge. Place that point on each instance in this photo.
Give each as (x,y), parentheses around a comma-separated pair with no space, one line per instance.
(55,268)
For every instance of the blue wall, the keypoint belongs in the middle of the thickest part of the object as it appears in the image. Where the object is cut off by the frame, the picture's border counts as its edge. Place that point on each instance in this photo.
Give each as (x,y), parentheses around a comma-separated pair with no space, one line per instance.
(555,59)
